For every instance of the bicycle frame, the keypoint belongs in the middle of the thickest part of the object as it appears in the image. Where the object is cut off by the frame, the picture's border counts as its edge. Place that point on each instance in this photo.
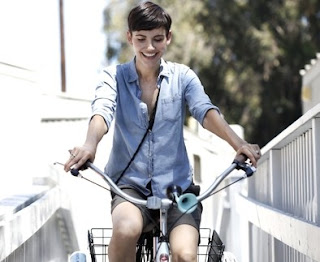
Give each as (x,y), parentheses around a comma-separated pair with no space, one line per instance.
(161,248)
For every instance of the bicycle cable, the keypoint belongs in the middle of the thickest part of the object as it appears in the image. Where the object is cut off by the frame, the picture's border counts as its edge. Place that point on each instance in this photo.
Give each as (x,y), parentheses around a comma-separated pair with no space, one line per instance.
(213,193)
(152,220)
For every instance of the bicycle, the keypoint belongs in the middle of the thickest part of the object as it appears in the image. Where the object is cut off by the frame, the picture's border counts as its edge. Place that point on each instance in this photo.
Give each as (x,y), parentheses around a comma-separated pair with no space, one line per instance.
(159,249)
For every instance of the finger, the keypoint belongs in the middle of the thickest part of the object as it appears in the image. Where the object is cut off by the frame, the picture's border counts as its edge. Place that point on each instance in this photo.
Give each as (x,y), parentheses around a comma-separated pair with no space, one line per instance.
(252,158)
(80,164)
(256,154)
(71,161)
(68,165)
(257,151)
(241,157)
(250,153)
(73,153)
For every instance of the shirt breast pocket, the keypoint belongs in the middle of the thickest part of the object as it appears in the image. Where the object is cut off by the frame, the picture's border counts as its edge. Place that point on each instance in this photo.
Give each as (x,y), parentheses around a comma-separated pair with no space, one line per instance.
(171,108)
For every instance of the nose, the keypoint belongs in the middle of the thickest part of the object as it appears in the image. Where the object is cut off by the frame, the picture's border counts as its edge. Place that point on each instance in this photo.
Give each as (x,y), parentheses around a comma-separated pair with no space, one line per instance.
(150,46)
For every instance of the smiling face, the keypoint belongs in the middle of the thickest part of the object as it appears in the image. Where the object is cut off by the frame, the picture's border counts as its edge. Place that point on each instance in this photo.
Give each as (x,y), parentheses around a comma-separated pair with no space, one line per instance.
(149,46)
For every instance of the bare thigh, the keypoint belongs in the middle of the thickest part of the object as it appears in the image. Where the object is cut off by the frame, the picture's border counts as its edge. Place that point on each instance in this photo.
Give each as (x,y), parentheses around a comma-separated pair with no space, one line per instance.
(127,220)
(127,226)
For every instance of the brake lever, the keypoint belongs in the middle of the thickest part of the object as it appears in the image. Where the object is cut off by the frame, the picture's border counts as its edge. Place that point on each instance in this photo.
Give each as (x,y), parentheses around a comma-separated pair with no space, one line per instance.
(247,168)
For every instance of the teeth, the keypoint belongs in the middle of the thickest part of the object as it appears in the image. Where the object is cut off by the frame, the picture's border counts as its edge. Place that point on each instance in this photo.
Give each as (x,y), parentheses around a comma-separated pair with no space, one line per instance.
(149,55)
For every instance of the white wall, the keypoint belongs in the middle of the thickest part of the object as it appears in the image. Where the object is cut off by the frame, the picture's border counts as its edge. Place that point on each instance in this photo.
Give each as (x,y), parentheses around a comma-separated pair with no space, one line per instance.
(310,93)
(30,66)
(29,60)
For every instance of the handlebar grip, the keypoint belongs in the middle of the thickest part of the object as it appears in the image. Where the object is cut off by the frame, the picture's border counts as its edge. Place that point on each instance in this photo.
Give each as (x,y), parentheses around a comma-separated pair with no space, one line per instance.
(241,164)
(240,158)
(75,171)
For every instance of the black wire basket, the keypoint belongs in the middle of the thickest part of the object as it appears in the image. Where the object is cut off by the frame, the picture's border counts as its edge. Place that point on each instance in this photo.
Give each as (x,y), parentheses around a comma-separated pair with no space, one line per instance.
(210,248)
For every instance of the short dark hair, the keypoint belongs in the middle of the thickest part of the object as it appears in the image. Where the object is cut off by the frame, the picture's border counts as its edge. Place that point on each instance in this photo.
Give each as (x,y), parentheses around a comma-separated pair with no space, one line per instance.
(148,16)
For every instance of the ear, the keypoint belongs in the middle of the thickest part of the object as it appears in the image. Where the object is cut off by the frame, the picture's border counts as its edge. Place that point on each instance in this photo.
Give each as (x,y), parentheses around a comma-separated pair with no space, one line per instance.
(169,37)
(129,37)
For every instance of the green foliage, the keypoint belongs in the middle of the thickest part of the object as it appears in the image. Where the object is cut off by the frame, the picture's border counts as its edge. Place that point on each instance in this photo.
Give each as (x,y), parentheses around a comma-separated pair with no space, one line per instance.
(247,53)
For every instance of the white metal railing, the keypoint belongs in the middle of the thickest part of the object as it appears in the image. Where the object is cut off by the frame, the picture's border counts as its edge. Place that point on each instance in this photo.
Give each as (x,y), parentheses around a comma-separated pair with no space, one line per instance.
(297,170)
(282,206)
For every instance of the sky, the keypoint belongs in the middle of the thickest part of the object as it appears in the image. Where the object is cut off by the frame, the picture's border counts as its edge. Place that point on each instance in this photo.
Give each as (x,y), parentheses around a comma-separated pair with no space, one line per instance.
(30,39)
(30,66)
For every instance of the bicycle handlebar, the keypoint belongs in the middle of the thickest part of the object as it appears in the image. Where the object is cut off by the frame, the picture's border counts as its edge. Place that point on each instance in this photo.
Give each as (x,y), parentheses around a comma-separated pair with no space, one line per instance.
(115,188)
(186,202)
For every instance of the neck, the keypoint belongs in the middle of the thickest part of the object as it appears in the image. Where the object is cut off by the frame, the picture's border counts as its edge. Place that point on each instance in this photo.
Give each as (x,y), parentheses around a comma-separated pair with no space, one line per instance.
(147,73)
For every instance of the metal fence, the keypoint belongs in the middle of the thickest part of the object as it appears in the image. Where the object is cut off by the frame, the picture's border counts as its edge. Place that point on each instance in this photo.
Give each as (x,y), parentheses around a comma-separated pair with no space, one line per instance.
(282,206)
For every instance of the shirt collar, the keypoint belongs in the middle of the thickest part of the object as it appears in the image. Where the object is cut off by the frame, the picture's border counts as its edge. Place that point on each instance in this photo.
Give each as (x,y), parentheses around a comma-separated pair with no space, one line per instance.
(133,75)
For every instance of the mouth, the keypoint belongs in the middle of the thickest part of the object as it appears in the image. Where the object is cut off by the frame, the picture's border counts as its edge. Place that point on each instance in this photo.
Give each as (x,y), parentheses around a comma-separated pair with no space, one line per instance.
(149,55)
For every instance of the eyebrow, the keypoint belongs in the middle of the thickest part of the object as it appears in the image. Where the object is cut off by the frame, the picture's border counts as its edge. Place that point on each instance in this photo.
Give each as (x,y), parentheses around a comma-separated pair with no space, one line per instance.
(141,35)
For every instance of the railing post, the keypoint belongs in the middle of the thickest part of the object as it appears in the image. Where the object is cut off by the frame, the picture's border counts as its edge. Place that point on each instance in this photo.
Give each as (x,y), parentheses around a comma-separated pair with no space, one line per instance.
(275,177)
(276,197)
(316,166)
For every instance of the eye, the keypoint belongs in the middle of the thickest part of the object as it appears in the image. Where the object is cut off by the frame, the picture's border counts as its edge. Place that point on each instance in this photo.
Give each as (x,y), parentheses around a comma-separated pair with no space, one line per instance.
(160,39)
(140,39)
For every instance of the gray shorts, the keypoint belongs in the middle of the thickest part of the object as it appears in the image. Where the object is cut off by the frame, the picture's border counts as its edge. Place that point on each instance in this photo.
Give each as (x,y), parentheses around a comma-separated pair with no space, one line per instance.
(175,216)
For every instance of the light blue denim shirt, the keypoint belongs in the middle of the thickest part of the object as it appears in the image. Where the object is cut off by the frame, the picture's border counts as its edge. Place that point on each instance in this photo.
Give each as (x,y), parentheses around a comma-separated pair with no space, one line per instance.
(162,159)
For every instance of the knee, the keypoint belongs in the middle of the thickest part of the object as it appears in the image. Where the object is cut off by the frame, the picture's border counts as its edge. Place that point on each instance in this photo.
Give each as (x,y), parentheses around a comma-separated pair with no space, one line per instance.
(185,255)
(127,229)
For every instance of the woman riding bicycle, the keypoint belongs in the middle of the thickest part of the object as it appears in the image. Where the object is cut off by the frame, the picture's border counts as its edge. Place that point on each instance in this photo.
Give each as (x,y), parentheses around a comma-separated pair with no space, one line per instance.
(147,158)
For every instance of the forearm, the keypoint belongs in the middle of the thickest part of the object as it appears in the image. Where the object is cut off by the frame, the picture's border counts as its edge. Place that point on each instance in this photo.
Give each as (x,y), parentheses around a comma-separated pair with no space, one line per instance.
(96,130)
(79,155)
(214,123)
(217,125)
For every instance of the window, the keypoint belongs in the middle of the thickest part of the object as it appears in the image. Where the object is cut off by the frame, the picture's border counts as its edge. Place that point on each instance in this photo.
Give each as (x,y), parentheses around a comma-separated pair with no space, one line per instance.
(197,168)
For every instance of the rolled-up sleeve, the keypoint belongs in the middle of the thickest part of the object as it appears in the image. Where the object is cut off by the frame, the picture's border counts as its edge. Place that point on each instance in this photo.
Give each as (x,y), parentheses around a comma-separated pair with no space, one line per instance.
(104,103)
(197,100)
